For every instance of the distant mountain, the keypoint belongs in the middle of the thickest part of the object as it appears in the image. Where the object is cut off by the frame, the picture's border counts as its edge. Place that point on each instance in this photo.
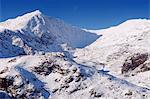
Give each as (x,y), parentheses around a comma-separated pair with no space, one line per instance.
(117,44)
(35,32)
(133,31)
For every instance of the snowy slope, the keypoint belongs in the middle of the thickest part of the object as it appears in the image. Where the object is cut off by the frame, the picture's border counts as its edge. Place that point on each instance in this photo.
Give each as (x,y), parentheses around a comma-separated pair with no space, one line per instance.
(55,76)
(35,32)
(37,24)
(119,46)
(131,31)
(128,38)
(45,58)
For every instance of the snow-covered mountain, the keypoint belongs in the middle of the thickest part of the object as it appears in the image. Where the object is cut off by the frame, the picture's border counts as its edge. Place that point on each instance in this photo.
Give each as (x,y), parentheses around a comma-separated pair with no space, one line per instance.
(128,38)
(45,58)
(132,31)
(124,50)
(35,32)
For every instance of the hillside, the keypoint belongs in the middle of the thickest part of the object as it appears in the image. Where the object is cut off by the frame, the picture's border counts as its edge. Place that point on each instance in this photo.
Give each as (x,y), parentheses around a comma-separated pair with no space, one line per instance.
(43,57)
(35,32)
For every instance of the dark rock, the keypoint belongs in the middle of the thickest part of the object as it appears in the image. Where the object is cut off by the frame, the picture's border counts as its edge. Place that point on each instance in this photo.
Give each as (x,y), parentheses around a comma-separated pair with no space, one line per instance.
(129,93)
(5,83)
(68,80)
(4,70)
(44,69)
(95,94)
(145,67)
(54,90)
(134,61)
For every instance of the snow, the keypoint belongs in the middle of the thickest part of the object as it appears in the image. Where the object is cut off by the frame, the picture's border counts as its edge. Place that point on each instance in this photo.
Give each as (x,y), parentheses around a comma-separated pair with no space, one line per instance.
(50,59)
(115,45)
(36,83)
(99,80)
(36,24)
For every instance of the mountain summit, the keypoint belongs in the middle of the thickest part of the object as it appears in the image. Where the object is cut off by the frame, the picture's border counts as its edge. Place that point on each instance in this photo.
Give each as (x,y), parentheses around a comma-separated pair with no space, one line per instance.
(37,32)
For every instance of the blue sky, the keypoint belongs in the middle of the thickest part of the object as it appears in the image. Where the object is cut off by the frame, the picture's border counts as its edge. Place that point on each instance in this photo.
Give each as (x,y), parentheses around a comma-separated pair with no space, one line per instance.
(91,14)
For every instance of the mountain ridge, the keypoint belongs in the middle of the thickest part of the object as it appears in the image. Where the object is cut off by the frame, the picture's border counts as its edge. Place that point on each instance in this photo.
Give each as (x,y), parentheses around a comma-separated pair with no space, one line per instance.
(35,29)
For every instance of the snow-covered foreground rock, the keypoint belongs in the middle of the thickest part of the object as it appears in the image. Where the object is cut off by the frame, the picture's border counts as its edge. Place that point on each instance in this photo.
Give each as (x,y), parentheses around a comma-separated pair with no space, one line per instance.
(57,77)
(44,58)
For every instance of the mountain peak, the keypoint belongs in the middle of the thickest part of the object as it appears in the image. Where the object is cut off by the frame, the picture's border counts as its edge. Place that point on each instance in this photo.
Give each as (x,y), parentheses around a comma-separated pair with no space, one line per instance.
(22,21)
(47,32)
(134,23)
(34,13)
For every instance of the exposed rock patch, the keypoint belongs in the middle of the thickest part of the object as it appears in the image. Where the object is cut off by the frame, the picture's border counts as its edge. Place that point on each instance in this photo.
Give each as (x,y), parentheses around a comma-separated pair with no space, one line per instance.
(134,61)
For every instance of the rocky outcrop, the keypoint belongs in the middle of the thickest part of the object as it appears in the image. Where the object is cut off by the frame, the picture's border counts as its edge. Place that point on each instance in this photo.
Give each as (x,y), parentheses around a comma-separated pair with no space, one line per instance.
(134,61)
(5,83)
